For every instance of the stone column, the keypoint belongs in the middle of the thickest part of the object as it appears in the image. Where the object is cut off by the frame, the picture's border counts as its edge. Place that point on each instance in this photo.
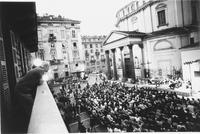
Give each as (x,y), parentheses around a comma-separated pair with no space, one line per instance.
(132,62)
(122,64)
(114,65)
(142,66)
(108,65)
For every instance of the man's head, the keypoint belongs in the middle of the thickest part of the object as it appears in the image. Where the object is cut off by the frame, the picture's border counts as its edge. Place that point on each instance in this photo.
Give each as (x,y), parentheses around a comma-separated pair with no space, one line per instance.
(45,66)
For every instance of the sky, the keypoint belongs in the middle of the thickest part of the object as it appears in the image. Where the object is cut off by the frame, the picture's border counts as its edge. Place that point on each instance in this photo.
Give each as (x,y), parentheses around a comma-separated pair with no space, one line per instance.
(97,16)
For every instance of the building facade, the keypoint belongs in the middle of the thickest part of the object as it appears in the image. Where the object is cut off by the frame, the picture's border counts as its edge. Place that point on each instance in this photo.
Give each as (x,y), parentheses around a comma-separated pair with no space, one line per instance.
(60,44)
(18,38)
(94,54)
(151,39)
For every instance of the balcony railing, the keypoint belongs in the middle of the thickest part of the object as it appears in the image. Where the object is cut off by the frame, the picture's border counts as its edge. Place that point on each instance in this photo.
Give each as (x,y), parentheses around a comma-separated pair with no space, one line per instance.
(55,62)
(45,117)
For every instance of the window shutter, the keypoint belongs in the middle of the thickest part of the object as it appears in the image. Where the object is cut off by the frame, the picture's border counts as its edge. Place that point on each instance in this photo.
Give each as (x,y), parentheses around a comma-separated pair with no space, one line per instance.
(4,86)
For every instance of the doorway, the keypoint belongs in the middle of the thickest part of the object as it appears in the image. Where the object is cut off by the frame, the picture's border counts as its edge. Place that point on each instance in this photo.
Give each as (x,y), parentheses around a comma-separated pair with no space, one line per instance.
(127,67)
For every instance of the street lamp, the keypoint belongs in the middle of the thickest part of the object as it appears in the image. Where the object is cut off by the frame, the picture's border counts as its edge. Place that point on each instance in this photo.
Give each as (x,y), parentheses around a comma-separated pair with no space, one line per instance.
(189,64)
(148,73)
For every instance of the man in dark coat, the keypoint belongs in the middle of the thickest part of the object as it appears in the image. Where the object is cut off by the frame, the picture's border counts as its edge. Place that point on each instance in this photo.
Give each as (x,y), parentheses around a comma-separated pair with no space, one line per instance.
(25,91)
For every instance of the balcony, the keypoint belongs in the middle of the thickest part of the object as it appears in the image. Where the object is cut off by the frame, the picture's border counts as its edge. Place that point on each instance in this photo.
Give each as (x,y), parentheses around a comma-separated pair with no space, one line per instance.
(45,117)
(55,62)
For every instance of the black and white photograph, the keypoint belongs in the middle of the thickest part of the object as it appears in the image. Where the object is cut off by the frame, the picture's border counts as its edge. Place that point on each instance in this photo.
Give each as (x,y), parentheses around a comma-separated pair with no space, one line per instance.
(99,66)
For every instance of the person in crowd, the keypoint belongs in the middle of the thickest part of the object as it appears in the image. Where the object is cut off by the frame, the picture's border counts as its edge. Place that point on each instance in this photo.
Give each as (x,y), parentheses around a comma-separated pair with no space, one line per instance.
(137,109)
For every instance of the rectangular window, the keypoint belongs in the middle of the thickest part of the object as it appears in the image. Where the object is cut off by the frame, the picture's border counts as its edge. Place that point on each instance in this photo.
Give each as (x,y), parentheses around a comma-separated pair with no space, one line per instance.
(75,54)
(92,63)
(97,57)
(50,31)
(161,18)
(85,45)
(74,45)
(66,74)
(39,34)
(192,40)
(90,45)
(96,45)
(62,34)
(73,34)
(55,75)
(91,50)
(92,57)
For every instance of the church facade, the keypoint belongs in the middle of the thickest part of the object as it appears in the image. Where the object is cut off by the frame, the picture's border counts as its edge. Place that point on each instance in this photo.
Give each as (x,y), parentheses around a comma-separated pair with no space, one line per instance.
(155,38)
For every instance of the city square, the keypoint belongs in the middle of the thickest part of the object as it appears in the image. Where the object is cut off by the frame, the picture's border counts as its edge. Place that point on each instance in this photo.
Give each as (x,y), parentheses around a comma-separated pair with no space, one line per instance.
(132,67)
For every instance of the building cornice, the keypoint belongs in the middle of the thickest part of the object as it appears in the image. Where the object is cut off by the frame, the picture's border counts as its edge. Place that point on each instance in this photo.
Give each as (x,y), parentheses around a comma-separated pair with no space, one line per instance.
(124,7)
(100,42)
(170,31)
(195,46)
(55,19)
(59,22)
(93,37)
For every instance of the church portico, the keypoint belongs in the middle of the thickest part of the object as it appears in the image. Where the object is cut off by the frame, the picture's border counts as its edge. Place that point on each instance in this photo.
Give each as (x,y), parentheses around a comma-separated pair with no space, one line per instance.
(121,40)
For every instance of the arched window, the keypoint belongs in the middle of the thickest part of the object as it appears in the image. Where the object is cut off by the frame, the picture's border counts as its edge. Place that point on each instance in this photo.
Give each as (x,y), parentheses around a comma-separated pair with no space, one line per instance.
(123,13)
(137,5)
(161,10)
(128,10)
(163,45)
(132,7)
(73,34)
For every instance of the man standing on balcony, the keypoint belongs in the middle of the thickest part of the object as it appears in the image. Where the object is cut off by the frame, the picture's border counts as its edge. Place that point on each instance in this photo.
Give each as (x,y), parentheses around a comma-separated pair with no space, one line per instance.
(25,91)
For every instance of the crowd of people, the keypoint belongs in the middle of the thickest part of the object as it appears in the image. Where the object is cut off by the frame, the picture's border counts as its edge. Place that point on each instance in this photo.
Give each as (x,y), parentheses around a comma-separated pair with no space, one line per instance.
(129,109)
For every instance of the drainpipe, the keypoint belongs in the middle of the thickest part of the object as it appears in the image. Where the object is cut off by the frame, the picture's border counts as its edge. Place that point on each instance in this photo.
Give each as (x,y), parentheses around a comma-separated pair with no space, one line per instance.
(151,20)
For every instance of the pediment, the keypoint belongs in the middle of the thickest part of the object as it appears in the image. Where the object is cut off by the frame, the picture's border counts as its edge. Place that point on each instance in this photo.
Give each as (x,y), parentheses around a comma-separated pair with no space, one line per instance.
(114,37)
